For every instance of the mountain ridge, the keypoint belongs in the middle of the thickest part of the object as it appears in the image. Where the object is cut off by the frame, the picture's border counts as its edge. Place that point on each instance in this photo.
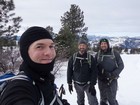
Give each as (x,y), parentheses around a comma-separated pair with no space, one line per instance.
(121,41)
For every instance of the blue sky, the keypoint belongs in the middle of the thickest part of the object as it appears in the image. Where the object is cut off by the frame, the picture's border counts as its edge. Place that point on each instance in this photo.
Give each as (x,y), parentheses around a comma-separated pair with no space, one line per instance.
(102,17)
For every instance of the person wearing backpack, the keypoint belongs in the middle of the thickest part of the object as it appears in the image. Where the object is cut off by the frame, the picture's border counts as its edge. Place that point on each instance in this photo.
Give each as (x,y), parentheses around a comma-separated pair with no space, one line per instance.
(110,65)
(37,49)
(82,73)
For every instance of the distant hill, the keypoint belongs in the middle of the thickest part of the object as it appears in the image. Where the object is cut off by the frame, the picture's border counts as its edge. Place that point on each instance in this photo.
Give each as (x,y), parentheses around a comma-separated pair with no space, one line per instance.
(124,42)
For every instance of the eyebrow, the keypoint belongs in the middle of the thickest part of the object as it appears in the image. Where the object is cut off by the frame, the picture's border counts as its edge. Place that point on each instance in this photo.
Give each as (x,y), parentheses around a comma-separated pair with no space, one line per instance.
(43,43)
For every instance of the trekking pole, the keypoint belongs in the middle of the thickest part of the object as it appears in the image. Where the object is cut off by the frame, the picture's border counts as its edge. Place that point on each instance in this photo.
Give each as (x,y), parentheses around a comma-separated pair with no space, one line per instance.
(62,91)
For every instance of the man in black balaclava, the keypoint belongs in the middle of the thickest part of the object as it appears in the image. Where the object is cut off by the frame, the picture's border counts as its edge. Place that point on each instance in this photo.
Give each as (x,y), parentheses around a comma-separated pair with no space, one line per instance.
(37,71)
(38,53)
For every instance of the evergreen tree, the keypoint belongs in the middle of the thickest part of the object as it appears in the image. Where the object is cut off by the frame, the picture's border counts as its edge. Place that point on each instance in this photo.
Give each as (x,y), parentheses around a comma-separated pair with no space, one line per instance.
(66,43)
(74,19)
(50,29)
(72,29)
(9,23)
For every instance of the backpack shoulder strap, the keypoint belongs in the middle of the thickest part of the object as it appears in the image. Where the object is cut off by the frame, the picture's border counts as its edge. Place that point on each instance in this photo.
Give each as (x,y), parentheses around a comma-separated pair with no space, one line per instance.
(74,58)
(4,81)
(22,77)
(89,59)
(56,98)
(98,56)
(112,51)
(41,102)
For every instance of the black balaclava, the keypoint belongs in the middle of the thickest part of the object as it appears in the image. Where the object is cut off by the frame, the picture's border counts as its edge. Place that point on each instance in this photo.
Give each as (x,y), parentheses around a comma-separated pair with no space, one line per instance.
(34,70)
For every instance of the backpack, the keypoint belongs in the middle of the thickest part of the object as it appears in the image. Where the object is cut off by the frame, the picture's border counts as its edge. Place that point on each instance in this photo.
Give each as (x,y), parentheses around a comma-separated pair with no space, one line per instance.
(4,76)
(112,55)
(76,57)
(7,77)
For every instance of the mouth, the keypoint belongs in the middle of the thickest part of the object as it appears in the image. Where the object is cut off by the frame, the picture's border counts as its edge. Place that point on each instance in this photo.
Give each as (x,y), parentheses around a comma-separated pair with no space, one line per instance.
(45,61)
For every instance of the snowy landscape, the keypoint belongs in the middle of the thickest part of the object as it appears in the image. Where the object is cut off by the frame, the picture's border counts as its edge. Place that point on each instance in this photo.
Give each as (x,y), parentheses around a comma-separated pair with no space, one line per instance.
(129,82)
(117,20)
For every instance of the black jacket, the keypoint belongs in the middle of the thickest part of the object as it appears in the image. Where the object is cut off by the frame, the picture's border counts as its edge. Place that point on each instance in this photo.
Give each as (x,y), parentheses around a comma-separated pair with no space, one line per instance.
(81,71)
(23,92)
(109,61)
(20,92)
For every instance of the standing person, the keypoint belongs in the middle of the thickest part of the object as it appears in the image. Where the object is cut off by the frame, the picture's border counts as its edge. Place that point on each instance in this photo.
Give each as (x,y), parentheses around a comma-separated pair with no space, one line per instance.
(110,65)
(82,71)
(38,52)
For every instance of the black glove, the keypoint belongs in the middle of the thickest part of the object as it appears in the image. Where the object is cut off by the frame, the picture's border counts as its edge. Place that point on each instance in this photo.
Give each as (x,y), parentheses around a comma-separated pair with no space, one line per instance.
(92,90)
(107,81)
(70,88)
(110,76)
(65,102)
(107,74)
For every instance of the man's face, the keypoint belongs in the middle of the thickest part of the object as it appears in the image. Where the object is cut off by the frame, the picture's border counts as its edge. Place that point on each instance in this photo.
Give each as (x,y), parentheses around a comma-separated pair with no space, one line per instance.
(82,48)
(42,51)
(104,46)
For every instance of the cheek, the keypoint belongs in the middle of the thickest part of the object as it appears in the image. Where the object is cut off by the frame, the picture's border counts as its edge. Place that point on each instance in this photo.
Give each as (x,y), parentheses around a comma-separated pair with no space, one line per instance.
(34,56)
(53,54)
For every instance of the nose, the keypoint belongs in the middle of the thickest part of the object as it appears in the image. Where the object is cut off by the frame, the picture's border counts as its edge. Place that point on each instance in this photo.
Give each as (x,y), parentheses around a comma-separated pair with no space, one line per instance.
(47,51)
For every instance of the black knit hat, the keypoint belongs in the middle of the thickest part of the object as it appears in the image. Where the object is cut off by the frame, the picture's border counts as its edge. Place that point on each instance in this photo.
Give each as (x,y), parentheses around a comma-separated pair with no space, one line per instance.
(31,35)
(104,40)
(82,41)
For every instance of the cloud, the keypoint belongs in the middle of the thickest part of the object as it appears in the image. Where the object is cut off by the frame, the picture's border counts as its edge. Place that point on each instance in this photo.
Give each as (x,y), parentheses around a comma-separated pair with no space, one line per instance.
(100,15)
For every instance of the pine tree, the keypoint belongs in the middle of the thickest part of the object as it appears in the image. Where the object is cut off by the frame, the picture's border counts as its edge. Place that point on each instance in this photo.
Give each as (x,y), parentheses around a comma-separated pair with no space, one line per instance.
(74,19)
(50,29)
(9,23)
(65,42)
(72,28)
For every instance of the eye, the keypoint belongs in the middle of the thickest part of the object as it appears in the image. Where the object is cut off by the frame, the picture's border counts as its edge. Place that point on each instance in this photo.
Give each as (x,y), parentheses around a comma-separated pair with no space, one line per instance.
(39,47)
(52,46)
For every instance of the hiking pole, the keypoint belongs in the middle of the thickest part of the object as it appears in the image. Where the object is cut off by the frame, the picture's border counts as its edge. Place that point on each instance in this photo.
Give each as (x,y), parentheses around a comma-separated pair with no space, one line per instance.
(62,91)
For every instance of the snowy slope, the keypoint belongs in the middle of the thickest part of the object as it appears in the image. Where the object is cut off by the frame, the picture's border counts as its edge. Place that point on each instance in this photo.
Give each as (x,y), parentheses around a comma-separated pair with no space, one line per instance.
(129,82)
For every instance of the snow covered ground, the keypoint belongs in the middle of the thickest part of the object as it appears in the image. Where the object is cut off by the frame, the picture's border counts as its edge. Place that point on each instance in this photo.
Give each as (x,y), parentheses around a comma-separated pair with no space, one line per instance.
(129,82)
